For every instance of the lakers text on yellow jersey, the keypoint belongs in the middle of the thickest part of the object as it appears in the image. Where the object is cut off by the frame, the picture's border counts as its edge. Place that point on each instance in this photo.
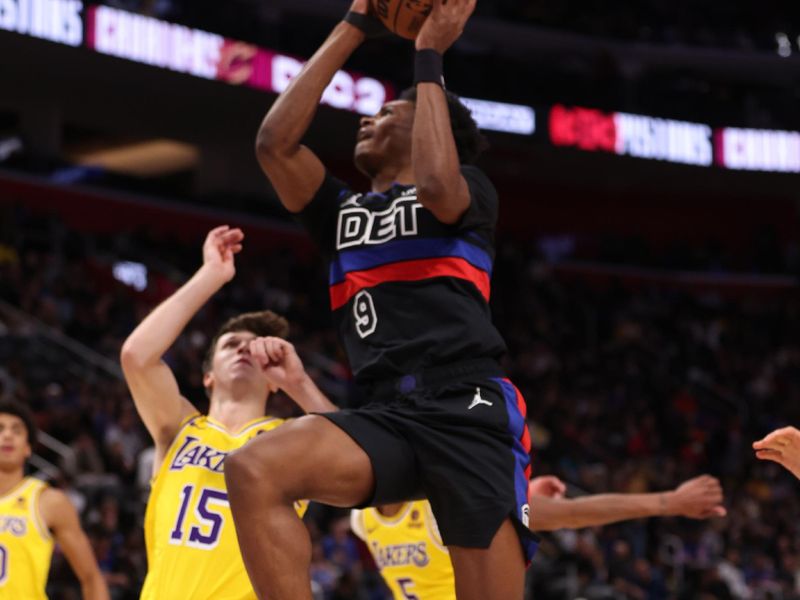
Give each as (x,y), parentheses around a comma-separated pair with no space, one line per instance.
(408,550)
(192,549)
(26,546)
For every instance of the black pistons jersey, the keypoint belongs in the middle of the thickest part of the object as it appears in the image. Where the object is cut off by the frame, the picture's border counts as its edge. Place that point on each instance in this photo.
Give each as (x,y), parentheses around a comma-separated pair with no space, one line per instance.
(407,291)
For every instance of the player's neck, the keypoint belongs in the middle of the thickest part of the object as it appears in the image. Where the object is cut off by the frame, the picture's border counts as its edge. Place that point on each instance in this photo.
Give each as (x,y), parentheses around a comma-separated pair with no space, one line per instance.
(390,510)
(390,175)
(10,479)
(235,414)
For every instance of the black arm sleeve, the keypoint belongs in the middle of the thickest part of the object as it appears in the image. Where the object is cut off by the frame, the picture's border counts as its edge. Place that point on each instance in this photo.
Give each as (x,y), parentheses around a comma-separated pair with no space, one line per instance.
(320,215)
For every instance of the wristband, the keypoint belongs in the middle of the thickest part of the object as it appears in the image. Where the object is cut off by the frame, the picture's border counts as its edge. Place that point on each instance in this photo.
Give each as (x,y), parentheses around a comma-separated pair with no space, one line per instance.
(367,24)
(428,67)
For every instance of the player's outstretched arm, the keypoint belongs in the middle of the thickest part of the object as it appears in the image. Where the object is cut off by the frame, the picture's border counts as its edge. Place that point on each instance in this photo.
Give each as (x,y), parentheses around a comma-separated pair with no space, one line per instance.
(285,371)
(437,170)
(698,498)
(152,384)
(62,519)
(783,447)
(549,486)
(295,171)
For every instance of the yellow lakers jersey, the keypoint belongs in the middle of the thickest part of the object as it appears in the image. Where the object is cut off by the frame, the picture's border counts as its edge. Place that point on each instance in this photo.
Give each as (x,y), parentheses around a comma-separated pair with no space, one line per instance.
(408,550)
(26,545)
(192,549)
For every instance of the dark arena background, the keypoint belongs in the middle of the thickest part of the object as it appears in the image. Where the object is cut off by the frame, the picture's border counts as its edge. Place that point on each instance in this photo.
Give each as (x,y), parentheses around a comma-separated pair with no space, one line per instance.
(647,157)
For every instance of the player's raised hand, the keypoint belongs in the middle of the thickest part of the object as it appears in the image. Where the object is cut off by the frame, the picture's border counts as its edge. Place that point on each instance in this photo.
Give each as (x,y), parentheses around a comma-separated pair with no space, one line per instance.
(548,485)
(698,498)
(280,362)
(221,245)
(445,24)
(783,447)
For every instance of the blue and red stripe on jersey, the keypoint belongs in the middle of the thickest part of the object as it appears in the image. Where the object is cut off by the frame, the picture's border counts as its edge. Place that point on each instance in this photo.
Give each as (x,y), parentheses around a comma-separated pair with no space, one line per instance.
(408,260)
(517,426)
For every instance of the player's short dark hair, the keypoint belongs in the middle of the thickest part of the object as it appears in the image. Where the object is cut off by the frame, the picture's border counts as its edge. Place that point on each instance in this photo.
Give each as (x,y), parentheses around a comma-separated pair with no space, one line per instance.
(263,323)
(470,142)
(17,409)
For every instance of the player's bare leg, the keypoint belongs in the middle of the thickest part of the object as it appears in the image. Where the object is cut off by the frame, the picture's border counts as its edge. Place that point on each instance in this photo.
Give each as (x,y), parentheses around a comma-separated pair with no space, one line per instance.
(310,458)
(494,573)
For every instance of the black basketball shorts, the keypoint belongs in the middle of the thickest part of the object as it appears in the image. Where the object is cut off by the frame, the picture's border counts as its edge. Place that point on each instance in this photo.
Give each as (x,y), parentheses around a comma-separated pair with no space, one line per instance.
(457,436)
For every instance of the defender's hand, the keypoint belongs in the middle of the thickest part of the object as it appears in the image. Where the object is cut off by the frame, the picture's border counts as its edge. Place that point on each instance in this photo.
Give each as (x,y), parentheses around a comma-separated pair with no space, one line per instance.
(445,24)
(783,447)
(280,362)
(698,498)
(548,485)
(221,245)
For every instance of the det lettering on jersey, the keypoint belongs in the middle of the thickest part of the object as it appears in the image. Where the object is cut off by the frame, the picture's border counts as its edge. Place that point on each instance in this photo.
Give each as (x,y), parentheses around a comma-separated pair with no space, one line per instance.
(360,226)
(193,454)
(400,555)
(16,526)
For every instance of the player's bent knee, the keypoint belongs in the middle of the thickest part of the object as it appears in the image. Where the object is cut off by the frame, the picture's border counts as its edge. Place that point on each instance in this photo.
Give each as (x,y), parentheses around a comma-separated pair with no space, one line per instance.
(240,470)
(266,466)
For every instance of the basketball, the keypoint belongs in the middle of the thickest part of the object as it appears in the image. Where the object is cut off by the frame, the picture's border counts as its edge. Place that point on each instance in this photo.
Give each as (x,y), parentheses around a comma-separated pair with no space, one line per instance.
(403,17)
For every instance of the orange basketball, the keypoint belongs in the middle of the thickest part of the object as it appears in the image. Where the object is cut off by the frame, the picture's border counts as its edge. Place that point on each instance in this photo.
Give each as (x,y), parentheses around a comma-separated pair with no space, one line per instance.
(403,17)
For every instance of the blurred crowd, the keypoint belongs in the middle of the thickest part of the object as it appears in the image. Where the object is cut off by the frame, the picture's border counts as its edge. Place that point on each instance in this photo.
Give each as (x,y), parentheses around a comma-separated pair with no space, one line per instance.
(629,389)
(699,23)
(602,78)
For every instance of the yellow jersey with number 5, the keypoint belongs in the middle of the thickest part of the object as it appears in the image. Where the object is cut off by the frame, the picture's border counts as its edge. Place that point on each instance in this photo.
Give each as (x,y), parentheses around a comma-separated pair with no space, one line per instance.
(192,549)
(409,551)
(26,546)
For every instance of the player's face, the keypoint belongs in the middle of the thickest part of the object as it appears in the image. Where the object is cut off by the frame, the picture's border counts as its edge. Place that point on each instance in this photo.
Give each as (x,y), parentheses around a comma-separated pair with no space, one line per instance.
(233,364)
(14,446)
(385,138)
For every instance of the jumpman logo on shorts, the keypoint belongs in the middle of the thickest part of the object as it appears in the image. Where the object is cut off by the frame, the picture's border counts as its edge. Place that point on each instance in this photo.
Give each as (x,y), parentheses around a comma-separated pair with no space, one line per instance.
(476,400)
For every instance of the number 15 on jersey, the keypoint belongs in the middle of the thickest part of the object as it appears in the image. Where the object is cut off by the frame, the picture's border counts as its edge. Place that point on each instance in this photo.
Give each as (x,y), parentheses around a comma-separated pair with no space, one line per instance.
(203,509)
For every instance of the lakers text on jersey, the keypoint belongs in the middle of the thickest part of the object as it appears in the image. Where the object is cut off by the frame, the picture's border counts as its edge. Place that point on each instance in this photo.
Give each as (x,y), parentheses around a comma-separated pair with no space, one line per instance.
(192,549)
(408,551)
(26,546)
